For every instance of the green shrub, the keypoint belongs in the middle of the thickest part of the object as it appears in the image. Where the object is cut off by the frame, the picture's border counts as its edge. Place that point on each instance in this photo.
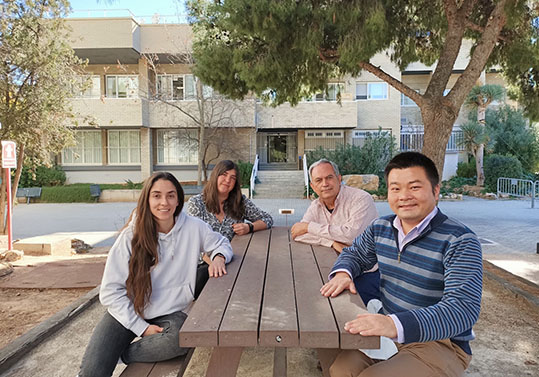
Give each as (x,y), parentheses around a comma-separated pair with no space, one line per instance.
(245,173)
(497,166)
(455,185)
(371,158)
(40,176)
(467,169)
(77,193)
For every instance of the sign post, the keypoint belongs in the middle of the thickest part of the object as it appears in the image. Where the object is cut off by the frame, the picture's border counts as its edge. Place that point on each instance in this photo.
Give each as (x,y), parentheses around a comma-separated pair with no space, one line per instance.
(9,160)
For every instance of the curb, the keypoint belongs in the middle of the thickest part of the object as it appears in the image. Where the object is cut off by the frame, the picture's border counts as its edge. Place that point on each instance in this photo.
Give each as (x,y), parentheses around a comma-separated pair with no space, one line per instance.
(531,298)
(18,348)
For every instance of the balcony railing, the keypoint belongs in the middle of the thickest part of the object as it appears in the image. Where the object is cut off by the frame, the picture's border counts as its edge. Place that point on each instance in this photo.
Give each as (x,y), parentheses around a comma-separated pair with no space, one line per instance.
(413,141)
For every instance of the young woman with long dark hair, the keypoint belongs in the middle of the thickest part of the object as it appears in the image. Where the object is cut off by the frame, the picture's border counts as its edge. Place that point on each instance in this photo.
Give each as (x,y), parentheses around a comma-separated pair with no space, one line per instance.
(149,280)
(225,209)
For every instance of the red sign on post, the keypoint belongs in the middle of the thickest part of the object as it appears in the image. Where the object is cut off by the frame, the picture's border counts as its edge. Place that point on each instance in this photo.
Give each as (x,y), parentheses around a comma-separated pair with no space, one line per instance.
(9,154)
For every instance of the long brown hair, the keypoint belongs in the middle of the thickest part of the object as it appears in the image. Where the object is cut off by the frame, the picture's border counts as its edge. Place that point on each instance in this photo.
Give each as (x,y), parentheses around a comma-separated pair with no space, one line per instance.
(234,205)
(144,253)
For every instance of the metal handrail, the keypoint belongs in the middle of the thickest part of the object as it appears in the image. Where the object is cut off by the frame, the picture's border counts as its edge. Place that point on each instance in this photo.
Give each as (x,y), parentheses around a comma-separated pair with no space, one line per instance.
(306,175)
(517,187)
(254,173)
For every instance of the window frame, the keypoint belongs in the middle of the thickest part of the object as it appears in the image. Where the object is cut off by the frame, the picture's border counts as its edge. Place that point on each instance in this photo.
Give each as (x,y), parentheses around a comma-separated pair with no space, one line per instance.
(119,148)
(174,147)
(81,151)
(369,85)
(116,93)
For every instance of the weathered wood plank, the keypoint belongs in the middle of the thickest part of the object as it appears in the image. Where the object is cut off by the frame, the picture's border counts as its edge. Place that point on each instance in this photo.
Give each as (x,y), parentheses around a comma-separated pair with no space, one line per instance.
(316,321)
(278,321)
(138,370)
(279,362)
(345,306)
(172,368)
(239,327)
(224,361)
(201,326)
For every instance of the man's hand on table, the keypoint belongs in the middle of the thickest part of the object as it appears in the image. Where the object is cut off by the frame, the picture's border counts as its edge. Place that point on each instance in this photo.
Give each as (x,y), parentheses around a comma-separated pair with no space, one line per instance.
(372,325)
(339,283)
(299,229)
(217,267)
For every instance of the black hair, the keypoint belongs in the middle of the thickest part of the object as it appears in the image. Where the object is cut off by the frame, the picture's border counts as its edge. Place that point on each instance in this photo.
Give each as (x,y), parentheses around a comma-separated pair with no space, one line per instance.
(406,160)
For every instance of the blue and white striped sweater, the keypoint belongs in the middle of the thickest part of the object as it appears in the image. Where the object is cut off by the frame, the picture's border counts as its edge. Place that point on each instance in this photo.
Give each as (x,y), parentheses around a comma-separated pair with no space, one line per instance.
(435,288)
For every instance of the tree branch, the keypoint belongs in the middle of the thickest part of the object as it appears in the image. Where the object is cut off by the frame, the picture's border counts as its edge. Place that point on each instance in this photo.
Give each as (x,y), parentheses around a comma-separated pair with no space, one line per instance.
(399,85)
(467,79)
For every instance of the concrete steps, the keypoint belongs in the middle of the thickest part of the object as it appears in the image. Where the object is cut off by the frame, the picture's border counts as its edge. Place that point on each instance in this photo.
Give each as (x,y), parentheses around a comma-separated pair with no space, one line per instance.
(285,184)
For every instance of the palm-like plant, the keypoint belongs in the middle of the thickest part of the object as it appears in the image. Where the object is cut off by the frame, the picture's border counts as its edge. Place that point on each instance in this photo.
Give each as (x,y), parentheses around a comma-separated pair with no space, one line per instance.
(479,98)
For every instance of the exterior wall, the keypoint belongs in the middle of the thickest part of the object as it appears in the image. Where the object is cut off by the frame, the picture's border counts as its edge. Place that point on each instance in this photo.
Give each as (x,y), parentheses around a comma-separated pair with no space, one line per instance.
(372,114)
(105,33)
(102,176)
(166,38)
(233,113)
(322,114)
(108,112)
(146,153)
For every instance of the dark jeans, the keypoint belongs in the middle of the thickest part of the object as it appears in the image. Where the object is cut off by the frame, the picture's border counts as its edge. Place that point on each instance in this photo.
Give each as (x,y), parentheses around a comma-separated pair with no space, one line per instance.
(368,286)
(111,339)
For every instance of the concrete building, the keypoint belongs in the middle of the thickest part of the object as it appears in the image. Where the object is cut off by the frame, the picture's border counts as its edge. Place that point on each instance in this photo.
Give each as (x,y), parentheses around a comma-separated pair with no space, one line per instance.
(139,114)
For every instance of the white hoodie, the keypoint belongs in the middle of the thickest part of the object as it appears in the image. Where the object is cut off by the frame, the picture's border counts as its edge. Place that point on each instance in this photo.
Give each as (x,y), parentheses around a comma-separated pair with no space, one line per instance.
(173,278)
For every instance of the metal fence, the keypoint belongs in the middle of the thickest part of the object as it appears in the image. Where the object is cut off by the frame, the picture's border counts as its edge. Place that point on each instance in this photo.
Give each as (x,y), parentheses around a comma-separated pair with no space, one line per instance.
(522,188)
(413,141)
(254,173)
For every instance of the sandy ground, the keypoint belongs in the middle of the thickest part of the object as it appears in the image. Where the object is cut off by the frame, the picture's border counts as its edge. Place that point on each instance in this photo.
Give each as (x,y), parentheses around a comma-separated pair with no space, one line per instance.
(507,338)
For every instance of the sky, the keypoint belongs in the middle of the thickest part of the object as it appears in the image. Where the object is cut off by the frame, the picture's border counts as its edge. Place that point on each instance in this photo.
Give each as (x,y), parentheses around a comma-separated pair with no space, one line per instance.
(140,8)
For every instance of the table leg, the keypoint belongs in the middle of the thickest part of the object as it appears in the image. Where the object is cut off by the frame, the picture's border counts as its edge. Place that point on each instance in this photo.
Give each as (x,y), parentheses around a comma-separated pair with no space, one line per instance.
(224,361)
(279,362)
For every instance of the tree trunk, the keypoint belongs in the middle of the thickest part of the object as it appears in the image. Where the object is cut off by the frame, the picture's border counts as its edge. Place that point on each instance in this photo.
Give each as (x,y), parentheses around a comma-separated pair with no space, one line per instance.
(201,133)
(481,110)
(438,121)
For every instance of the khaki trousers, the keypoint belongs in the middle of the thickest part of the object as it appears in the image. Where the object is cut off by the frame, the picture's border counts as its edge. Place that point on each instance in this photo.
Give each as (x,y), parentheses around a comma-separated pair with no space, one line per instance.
(430,359)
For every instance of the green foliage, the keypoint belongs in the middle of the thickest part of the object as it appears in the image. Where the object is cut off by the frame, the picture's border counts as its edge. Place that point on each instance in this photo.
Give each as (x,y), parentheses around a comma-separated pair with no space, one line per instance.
(497,166)
(511,135)
(245,173)
(41,175)
(466,169)
(292,48)
(77,193)
(473,134)
(130,185)
(457,185)
(482,96)
(372,158)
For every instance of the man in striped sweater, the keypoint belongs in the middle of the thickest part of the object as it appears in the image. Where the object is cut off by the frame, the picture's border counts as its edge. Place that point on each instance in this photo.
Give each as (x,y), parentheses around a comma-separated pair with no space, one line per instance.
(431,280)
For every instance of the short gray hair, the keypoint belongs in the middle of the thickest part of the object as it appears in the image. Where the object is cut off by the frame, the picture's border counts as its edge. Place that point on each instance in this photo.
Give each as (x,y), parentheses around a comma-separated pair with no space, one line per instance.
(323,161)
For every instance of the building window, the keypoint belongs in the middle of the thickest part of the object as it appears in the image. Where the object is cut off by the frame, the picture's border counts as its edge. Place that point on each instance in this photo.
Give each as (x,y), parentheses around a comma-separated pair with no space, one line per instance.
(122,86)
(407,102)
(86,151)
(179,87)
(124,147)
(371,90)
(333,92)
(88,87)
(359,137)
(327,140)
(177,147)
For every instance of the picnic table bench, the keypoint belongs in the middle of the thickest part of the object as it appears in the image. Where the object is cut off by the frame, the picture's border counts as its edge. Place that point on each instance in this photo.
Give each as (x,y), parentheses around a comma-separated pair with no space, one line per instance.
(28,192)
(271,297)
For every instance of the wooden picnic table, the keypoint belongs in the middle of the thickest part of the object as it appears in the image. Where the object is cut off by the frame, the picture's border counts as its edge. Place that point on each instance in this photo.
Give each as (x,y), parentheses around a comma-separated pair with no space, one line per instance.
(271,297)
